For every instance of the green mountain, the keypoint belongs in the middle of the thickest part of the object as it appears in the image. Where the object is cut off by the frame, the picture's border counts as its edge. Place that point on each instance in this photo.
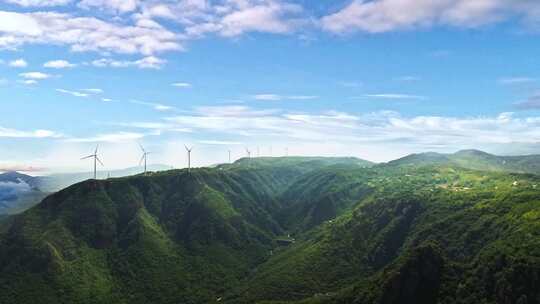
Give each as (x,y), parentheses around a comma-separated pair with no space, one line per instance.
(161,238)
(290,230)
(422,235)
(474,159)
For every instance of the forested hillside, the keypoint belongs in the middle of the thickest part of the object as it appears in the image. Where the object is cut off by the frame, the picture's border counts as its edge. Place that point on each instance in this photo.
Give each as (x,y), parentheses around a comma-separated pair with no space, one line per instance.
(290,230)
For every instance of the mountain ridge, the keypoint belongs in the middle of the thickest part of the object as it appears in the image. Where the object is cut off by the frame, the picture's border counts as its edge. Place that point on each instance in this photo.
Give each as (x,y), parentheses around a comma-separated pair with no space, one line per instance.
(286,232)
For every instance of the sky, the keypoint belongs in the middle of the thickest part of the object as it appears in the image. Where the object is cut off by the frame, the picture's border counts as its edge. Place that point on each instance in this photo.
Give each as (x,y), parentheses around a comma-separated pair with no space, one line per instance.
(373,79)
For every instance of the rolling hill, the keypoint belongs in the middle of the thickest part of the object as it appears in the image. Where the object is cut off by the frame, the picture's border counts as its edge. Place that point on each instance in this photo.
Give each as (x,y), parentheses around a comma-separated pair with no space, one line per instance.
(474,159)
(291,230)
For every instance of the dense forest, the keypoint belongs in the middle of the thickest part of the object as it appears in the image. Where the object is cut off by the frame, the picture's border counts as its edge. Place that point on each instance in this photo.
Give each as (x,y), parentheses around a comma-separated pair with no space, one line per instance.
(460,228)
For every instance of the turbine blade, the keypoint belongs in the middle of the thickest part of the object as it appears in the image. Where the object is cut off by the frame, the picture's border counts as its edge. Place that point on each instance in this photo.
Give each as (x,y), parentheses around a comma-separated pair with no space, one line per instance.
(99,161)
(89,156)
(95,152)
(142,148)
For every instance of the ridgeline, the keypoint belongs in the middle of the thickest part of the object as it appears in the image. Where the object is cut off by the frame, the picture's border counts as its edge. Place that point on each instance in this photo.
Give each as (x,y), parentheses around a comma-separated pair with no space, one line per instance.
(285,230)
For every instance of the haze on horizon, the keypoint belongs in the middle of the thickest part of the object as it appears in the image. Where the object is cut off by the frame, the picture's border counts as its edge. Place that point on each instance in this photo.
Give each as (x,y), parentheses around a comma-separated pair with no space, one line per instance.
(371,79)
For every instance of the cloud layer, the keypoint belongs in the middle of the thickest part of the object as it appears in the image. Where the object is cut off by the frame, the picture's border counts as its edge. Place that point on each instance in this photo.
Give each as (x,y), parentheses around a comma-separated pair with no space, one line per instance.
(389,15)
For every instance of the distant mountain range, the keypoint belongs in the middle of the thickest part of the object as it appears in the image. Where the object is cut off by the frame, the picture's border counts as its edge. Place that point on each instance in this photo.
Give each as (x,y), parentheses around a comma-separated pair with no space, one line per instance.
(474,159)
(19,192)
(55,182)
(423,229)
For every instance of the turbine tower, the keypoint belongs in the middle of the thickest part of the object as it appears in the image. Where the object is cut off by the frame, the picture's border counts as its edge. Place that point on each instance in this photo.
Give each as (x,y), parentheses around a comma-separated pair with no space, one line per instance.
(287,151)
(229,156)
(188,157)
(96,160)
(144,157)
(248,156)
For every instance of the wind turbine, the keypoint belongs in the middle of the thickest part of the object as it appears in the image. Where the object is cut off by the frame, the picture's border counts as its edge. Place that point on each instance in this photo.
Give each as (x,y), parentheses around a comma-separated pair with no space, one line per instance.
(287,151)
(188,157)
(229,156)
(248,156)
(144,157)
(96,160)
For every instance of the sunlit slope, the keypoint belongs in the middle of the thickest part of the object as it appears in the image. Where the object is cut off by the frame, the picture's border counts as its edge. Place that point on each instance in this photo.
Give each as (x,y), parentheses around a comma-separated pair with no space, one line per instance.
(383,234)
(166,237)
(427,235)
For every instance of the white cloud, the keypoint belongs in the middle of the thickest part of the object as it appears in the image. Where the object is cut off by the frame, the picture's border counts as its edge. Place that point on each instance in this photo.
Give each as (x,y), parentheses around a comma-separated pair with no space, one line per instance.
(142,33)
(109,137)
(39,3)
(228,18)
(58,64)
(35,75)
(106,99)
(182,85)
(418,133)
(154,105)
(268,18)
(12,133)
(83,33)
(18,63)
(72,93)
(268,97)
(517,80)
(29,82)
(301,97)
(93,91)
(117,6)
(389,15)
(149,62)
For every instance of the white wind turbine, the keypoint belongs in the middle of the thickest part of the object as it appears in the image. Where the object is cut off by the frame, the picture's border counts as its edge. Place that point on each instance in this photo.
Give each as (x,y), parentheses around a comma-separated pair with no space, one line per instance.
(188,150)
(144,157)
(96,160)
(229,156)
(248,156)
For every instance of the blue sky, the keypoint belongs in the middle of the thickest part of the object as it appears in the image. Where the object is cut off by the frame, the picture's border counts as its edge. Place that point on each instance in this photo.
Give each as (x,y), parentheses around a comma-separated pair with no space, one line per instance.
(373,79)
